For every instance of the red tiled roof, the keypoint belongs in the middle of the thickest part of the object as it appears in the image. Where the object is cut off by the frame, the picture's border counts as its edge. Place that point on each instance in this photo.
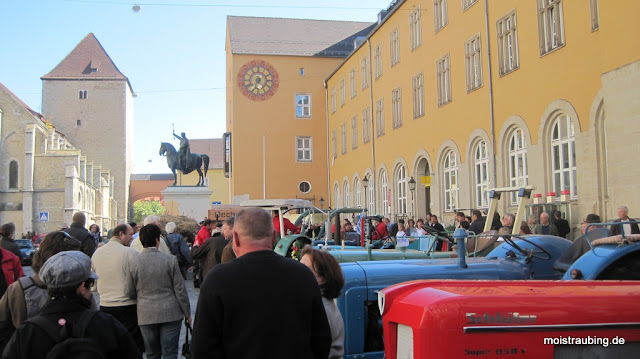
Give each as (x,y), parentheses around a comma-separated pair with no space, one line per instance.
(212,147)
(88,60)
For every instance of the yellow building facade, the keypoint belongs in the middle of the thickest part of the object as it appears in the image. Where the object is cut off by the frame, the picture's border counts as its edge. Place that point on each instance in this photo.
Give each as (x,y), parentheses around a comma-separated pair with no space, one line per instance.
(276,119)
(464,96)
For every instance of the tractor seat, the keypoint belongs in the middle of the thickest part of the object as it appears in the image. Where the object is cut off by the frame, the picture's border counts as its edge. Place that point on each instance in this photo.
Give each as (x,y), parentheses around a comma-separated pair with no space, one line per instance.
(486,241)
(579,247)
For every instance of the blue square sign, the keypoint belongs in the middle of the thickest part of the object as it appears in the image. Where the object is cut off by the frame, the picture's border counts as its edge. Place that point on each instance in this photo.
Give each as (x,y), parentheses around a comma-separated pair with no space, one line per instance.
(44,216)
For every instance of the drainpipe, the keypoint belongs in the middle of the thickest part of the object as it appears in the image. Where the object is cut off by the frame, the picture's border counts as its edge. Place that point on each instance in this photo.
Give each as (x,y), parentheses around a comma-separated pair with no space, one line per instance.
(491,115)
(326,114)
(373,129)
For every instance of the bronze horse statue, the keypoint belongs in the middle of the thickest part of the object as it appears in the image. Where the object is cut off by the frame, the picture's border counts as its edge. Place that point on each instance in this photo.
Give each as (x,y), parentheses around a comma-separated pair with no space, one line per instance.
(194,162)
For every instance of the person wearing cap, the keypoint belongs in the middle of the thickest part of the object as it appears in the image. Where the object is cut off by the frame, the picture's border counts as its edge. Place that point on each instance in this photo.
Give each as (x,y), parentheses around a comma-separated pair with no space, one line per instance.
(69,279)
(591,218)
(163,302)
(236,312)
(380,229)
(204,232)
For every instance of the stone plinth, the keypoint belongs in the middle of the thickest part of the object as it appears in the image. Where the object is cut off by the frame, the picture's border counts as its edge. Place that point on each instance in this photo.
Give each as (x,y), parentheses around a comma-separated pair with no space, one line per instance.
(190,201)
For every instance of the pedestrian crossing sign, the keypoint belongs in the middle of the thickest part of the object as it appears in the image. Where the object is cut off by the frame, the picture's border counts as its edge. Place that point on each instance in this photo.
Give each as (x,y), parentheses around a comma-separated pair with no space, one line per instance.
(44,216)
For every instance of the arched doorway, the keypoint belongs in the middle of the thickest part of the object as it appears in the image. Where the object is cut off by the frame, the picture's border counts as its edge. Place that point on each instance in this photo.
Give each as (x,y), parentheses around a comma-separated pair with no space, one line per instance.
(423,189)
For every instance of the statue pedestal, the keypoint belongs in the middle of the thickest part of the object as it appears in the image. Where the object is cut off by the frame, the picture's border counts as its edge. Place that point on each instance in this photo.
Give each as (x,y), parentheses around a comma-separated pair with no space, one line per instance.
(190,201)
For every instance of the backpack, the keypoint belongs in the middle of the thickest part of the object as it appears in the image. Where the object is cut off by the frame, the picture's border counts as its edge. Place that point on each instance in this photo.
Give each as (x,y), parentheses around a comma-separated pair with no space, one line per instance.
(73,346)
(35,297)
(174,247)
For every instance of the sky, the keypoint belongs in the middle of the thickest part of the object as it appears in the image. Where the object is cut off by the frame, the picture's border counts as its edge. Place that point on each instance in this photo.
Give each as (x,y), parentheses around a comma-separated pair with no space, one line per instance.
(172,51)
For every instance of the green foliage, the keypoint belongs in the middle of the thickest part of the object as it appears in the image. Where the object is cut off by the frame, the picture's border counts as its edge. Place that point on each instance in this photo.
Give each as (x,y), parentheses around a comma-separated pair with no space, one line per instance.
(142,209)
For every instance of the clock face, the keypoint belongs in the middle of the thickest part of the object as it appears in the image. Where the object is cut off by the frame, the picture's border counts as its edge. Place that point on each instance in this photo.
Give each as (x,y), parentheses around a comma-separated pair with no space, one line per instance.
(258,80)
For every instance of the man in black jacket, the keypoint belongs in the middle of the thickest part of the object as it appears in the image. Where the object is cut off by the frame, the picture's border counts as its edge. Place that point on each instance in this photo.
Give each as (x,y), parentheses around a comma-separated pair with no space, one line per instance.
(623,216)
(561,224)
(79,232)
(477,226)
(8,233)
(237,308)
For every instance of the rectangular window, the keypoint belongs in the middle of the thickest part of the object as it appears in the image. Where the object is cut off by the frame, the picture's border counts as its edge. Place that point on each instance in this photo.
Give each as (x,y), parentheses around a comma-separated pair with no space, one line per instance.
(354,132)
(473,62)
(366,125)
(303,106)
(380,117)
(377,61)
(418,95)
(343,137)
(352,83)
(444,81)
(334,143)
(595,21)
(507,43)
(550,25)
(467,3)
(415,29)
(394,47)
(82,94)
(364,68)
(343,92)
(303,149)
(333,99)
(396,107)
(440,14)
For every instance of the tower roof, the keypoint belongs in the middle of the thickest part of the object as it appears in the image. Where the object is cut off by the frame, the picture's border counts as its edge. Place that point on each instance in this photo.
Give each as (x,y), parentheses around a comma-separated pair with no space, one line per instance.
(87,61)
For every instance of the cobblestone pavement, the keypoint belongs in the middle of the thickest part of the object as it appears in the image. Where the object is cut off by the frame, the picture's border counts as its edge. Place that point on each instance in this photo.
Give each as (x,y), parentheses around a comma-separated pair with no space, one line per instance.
(193,299)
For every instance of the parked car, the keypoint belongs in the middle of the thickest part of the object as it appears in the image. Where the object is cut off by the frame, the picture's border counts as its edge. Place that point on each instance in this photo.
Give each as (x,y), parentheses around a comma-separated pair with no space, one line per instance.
(38,240)
(27,249)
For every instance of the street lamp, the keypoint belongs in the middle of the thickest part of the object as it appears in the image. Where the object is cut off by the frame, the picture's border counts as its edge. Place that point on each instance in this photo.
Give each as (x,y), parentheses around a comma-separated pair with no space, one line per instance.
(412,187)
(321,203)
(365,184)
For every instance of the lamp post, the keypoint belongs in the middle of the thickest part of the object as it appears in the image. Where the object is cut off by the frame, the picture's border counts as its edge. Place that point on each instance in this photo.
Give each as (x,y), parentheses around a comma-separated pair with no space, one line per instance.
(365,184)
(412,187)
(321,203)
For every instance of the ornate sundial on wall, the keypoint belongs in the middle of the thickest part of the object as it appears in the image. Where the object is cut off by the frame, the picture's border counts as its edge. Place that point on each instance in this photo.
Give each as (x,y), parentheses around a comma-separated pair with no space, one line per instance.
(258,80)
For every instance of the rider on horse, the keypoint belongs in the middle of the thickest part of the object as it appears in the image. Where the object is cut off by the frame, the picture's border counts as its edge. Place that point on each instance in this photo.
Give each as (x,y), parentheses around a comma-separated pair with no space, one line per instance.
(184,152)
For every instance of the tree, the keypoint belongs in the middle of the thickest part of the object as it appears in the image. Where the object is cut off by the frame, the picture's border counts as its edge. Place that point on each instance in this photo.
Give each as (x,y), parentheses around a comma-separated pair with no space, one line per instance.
(142,209)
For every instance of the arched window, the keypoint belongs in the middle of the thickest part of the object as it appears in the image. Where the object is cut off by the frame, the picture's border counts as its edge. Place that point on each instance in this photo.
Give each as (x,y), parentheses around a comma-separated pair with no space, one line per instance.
(518,173)
(401,179)
(450,170)
(481,170)
(346,194)
(563,156)
(371,196)
(384,187)
(13,175)
(357,193)
(336,196)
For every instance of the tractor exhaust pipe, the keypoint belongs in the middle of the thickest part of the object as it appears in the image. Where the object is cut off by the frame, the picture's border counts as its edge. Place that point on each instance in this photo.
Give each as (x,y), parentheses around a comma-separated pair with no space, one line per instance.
(459,235)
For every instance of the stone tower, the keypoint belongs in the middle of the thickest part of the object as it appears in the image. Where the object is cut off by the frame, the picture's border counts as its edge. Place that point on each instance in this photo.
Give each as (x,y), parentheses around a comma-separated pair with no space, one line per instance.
(89,100)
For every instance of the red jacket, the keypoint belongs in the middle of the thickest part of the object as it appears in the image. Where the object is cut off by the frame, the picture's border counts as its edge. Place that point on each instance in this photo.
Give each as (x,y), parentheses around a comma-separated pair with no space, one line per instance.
(11,266)
(287,225)
(380,232)
(203,234)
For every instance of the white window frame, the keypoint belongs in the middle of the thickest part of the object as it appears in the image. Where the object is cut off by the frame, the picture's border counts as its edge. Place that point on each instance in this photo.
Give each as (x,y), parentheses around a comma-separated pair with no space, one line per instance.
(343,137)
(384,190)
(415,29)
(508,54)
(13,178)
(377,60)
(333,99)
(396,107)
(304,149)
(595,17)
(394,46)
(346,194)
(364,68)
(550,25)
(303,106)
(563,156)
(518,171)
(401,188)
(357,193)
(467,4)
(380,117)
(473,62)
(334,143)
(418,95)
(444,80)
(366,125)
(440,14)
(354,132)
(353,84)
(481,172)
(343,93)
(450,181)
(336,196)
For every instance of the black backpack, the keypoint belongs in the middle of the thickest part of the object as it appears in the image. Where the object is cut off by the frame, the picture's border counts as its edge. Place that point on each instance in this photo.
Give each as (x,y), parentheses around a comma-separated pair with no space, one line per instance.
(74,346)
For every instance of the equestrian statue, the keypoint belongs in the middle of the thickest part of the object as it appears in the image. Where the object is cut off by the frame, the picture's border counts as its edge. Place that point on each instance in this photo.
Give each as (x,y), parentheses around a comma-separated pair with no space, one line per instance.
(184,160)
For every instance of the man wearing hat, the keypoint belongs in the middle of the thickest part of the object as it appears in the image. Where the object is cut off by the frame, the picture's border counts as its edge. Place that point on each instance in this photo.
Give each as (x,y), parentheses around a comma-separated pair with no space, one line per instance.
(381,229)
(69,279)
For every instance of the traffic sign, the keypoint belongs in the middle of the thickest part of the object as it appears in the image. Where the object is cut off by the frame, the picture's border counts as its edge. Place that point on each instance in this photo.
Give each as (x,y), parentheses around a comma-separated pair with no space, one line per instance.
(44,216)
(216,202)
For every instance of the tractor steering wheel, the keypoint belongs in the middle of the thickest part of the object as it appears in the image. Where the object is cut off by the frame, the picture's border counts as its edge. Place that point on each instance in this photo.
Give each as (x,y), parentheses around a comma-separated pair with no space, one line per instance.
(530,254)
(439,234)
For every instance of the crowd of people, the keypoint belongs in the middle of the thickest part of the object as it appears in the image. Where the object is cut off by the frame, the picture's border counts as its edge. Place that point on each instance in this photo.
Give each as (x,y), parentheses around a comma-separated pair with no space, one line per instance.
(142,301)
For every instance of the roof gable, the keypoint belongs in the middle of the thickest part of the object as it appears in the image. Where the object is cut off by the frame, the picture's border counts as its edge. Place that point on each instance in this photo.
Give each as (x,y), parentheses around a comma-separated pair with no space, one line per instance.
(88,60)
(295,37)
(213,147)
